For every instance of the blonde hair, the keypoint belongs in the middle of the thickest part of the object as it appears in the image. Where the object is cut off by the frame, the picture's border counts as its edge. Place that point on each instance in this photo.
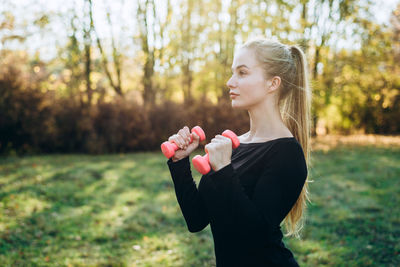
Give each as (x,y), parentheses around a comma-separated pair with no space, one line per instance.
(294,102)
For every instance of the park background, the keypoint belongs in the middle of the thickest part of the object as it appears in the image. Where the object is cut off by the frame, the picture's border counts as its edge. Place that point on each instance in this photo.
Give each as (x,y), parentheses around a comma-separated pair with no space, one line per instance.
(90,89)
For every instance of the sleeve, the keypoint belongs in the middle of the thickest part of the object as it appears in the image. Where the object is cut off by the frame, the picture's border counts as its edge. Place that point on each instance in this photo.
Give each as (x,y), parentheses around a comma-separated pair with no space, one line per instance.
(275,193)
(189,199)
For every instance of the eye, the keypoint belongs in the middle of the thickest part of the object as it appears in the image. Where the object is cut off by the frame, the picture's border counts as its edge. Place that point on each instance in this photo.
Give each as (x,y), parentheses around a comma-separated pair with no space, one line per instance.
(240,72)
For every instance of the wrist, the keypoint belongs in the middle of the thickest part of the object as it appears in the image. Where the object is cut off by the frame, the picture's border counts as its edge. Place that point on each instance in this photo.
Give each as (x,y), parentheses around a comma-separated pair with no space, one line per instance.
(175,159)
(222,166)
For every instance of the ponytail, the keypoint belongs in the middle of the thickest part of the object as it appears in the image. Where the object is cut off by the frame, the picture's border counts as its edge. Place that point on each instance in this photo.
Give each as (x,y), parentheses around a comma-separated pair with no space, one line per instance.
(297,105)
(297,117)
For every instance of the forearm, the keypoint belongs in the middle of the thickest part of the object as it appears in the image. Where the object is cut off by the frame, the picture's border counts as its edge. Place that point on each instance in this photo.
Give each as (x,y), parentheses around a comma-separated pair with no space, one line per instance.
(187,195)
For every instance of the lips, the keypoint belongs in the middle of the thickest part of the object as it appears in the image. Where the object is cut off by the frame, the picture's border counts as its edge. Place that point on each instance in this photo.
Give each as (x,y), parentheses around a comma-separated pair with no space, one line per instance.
(233,94)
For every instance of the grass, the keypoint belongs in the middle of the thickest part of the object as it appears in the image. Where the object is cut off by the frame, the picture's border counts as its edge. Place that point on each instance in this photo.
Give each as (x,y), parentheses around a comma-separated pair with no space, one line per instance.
(121,210)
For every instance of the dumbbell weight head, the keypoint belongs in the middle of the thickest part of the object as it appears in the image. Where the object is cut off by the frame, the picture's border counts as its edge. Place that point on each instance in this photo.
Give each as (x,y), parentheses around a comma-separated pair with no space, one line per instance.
(202,163)
(230,134)
(199,132)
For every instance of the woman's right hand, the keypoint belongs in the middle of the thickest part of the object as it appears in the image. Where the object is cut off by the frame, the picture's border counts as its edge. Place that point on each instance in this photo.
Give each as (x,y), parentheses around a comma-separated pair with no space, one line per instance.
(182,139)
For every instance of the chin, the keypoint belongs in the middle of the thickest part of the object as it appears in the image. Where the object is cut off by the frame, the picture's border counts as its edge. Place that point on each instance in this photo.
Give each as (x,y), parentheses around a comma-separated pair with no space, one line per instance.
(236,105)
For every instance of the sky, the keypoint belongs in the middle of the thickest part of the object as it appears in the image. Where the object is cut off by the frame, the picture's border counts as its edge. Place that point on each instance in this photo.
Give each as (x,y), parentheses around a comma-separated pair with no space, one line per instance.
(47,41)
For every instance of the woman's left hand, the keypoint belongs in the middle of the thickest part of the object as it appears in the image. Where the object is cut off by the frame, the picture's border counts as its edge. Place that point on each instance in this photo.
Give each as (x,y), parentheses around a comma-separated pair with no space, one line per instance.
(219,152)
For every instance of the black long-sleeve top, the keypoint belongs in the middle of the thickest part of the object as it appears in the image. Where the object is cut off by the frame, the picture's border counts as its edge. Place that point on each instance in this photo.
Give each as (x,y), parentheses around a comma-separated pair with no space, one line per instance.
(245,201)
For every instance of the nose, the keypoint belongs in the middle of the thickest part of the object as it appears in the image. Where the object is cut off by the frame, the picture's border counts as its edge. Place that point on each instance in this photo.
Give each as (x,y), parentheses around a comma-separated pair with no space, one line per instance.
(230,83)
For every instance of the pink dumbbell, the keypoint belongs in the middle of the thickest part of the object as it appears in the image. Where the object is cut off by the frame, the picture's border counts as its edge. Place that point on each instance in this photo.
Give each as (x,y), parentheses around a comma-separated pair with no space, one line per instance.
(168,148)
(202,163)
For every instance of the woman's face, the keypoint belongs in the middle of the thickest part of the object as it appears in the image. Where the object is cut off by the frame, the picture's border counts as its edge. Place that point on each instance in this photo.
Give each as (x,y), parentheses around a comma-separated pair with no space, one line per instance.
(247,80)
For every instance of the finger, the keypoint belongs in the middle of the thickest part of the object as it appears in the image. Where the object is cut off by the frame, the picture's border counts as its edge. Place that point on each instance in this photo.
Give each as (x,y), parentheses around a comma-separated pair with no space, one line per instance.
(223,138)
(182,141)
(188,134)
(196,138)
(176,140)
(187,131)
(216,140)
(172,137)
(185,135)
(207,147)
(185,143)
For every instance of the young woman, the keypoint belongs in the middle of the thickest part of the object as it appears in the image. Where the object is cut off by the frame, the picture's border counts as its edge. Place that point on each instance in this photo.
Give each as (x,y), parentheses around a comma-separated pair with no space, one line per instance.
(252,189)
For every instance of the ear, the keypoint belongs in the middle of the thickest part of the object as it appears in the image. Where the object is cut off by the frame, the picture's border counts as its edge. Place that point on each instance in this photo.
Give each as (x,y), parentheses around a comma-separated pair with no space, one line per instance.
(273,84)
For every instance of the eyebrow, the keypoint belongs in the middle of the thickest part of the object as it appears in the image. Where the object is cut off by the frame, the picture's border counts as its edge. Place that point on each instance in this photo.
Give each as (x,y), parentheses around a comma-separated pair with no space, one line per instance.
(240,66)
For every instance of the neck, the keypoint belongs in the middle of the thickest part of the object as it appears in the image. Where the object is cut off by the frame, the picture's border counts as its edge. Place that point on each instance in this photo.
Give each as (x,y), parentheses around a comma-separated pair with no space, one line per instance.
(266,121)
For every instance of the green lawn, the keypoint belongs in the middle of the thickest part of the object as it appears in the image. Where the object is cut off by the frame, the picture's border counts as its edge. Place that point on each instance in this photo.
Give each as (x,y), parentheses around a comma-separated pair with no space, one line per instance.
(121,210)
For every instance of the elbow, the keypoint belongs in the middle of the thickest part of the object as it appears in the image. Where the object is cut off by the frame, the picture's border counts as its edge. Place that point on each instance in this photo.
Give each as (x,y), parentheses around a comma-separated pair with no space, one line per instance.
(196,228)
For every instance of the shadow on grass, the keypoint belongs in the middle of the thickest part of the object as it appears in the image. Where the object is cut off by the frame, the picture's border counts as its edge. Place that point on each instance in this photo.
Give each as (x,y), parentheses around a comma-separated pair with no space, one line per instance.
(96,210)
(120,210)
(354,215)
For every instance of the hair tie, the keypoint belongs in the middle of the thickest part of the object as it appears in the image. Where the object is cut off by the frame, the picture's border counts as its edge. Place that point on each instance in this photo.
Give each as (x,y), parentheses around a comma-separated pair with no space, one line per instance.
(291,50)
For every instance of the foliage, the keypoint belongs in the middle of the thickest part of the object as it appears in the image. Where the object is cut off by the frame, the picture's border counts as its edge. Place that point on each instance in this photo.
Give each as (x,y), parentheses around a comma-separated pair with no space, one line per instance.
(112,93)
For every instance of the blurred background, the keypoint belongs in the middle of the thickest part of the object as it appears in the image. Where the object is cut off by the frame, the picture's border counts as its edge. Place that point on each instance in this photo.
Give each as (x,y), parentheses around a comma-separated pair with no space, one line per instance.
(118,76)
(89,89)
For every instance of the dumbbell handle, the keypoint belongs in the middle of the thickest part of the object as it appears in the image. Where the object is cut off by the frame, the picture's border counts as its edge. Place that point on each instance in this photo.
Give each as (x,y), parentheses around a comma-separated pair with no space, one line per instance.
(202,163)
(168,148)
